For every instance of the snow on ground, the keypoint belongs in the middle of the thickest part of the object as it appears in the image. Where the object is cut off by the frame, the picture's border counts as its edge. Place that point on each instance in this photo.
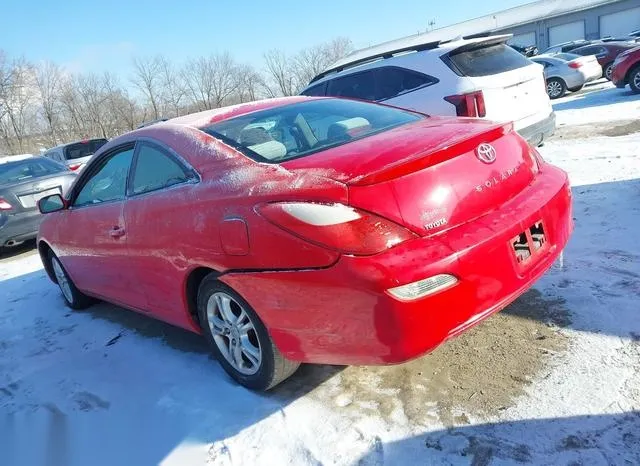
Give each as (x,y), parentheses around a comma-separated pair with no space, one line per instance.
(597,102)
(107,386)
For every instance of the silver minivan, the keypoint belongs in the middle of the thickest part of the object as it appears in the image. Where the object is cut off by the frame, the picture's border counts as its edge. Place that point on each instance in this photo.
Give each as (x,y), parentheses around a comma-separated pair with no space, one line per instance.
(75,155)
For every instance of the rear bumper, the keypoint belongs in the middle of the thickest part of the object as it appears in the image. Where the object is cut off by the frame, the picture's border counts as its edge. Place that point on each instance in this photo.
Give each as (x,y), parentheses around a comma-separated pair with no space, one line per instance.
(343,314)
(19,227)
(539,131)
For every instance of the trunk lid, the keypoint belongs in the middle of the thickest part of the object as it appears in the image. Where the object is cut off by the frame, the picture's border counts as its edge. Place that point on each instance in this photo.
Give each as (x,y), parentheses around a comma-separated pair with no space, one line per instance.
(429,176)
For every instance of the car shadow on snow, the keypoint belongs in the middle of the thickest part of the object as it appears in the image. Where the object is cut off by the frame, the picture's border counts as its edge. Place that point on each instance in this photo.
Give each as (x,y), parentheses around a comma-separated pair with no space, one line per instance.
(605,438)
(109,386)
(588,98)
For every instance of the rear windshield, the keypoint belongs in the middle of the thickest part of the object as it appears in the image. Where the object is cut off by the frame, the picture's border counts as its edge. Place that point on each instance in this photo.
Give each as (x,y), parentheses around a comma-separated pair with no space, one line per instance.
(486,60)
(304,128)
(83,149)
(23,170)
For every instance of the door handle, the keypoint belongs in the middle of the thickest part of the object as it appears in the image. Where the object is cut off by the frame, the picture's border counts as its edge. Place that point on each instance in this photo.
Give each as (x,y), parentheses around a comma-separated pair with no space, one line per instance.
(116,232)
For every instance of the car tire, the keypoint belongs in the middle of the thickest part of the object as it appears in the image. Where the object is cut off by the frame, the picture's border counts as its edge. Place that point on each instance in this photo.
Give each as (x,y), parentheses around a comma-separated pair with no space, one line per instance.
(238,338)
(73,297)
(606,71)
(575,89)
(556,88)
(634,80)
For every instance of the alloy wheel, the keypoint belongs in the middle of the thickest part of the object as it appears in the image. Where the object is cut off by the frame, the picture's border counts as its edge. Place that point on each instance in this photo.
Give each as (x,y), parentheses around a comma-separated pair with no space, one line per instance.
(61,278)
(636,80)
(234,333)
(554,88)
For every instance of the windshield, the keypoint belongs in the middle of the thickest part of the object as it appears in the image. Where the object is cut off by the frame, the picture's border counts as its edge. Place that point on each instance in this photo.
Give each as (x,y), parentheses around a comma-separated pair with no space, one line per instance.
(22,170)
(83,149)
(304,128)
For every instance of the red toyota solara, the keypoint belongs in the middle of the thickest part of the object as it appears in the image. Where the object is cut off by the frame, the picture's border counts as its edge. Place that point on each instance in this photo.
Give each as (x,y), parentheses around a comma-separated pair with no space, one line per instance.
(313,230)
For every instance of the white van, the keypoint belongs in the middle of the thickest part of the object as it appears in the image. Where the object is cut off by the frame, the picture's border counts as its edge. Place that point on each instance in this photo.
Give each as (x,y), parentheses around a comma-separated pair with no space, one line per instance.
(469,77)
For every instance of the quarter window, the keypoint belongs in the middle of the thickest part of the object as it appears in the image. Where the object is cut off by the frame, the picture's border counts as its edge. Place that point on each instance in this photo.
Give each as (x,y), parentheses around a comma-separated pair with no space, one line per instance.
(109,182)
(394,81)
(357,86)
(156,170)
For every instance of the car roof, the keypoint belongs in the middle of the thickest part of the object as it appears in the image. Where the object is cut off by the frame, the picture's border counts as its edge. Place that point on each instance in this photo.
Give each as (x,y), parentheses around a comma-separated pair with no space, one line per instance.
(396,48)
(207,117)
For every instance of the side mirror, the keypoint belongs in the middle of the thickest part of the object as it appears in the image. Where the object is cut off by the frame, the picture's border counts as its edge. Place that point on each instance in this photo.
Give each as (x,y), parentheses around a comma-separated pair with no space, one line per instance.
(51,203)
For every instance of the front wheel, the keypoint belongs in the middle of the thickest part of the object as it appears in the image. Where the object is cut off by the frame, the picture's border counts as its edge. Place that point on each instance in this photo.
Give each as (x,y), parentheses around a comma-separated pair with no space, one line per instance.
(634,80)
(556,88)
(239,339)
(73,297)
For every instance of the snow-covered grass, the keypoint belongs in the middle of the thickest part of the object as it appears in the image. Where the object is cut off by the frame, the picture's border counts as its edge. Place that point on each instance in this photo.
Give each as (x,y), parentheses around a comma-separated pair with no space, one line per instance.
(108,386)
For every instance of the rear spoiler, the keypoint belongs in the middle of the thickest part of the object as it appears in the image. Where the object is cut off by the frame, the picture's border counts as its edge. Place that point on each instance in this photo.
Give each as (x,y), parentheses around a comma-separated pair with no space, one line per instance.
(490,40)
(433,156)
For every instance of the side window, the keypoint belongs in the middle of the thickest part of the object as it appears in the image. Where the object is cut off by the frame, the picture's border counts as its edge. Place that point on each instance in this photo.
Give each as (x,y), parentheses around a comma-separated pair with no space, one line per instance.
(357,85)
(156,170)
(109,182)
(395,81)
(317,90)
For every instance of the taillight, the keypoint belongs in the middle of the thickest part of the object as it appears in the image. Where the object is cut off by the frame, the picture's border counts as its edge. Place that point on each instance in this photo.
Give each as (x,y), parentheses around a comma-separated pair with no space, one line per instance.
(4,205)
(74,166)
(336,226)
(468,105)
(575,64)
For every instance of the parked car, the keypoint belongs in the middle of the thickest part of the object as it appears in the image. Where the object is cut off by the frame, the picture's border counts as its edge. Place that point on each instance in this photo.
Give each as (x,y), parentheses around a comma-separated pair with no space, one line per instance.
(528,51)
(418,227)
(606,53)
(568,46)
(75,154)
(480,77)
(562,75)
(626,70)
(22,183)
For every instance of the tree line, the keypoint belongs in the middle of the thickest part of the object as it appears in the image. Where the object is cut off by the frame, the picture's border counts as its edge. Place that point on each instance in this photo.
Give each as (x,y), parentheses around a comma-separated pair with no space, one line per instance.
(43,104)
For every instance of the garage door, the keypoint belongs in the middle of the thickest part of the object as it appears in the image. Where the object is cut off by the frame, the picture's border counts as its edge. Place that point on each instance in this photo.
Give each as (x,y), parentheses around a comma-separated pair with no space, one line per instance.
(566,33)
(523,40)
(621,23)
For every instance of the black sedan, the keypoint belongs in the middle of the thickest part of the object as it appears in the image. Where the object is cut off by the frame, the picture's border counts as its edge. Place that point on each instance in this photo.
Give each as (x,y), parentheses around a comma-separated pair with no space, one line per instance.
(22,184)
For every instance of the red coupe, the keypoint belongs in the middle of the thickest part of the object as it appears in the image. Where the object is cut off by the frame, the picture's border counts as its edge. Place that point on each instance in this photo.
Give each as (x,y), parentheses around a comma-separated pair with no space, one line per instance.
(309,230)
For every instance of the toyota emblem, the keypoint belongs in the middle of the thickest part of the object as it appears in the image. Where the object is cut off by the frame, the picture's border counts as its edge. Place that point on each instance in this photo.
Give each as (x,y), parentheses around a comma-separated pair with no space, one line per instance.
(486,153)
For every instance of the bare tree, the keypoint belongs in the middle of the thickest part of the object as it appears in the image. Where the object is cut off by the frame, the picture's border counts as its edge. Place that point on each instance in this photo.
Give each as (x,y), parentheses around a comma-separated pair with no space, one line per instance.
(281,72)
(48,78)
(173,88)
(147,78)
(251,84)
(310,62)
(17,98)
(211,80)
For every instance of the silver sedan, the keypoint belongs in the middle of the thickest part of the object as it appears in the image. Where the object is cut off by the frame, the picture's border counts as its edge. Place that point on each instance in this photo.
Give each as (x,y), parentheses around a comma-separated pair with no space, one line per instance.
(567,75)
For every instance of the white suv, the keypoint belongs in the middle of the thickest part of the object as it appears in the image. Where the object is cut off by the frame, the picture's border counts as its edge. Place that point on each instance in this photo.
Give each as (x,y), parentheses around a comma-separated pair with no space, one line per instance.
(471,77)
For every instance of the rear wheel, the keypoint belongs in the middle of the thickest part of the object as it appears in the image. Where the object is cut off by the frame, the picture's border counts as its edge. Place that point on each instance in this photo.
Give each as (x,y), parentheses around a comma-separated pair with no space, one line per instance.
(74,298)
(634,80)
(239,339)
(607,71)
(556,88)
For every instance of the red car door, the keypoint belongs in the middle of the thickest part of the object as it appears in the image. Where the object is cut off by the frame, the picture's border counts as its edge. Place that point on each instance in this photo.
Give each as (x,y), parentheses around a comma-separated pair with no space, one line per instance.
(159,213)
(92,234)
